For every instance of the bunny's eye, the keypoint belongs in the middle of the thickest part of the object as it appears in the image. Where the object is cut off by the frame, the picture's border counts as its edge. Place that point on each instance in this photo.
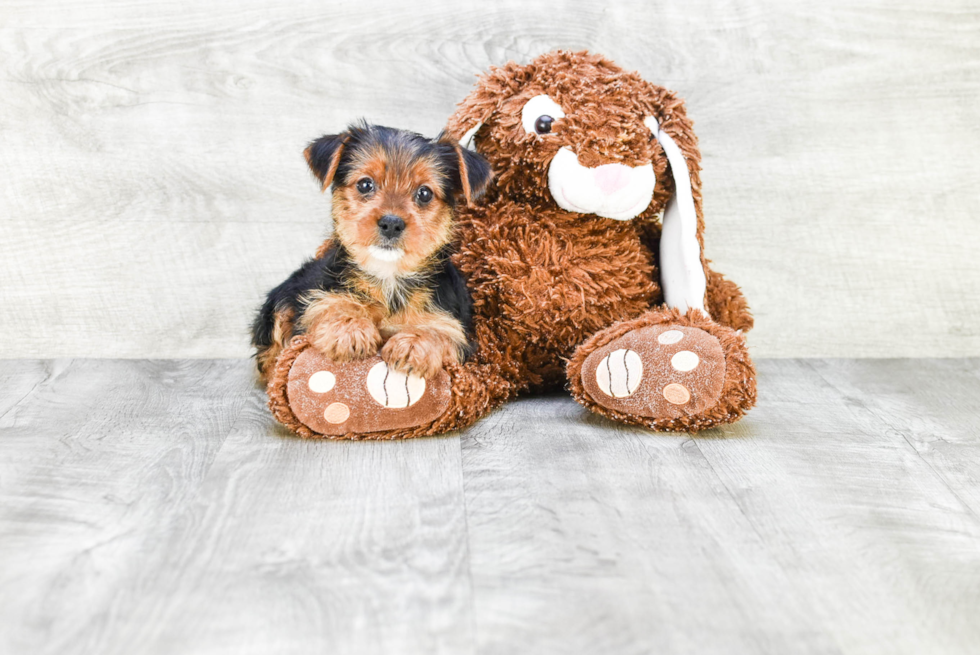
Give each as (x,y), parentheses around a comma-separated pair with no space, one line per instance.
(539,114)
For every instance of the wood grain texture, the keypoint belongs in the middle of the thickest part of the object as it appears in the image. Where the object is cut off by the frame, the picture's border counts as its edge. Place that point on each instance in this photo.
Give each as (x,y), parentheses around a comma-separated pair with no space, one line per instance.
(848,508)
(614,540)
(153,187)
(95,466)
(297,547)
(155,507)
(812,526)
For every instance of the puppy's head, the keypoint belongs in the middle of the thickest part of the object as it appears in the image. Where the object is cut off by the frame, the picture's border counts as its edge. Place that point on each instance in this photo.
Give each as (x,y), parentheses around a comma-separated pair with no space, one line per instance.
(394,192)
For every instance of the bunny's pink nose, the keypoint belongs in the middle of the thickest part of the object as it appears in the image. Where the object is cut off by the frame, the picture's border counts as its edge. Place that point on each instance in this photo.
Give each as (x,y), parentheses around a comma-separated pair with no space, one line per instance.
(611,177)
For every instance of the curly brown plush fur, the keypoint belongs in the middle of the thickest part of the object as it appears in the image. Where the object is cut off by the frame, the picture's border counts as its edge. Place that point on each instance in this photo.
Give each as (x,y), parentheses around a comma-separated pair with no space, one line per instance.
(546,279)
(550,285)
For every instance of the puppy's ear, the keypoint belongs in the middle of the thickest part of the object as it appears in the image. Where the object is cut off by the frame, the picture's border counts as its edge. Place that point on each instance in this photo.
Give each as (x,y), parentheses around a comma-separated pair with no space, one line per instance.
(471,172)
(323,156)
(474,173)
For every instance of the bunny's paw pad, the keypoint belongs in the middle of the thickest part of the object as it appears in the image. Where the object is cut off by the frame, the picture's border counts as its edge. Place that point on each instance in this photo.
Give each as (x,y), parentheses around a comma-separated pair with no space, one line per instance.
(363,396)
(659,372)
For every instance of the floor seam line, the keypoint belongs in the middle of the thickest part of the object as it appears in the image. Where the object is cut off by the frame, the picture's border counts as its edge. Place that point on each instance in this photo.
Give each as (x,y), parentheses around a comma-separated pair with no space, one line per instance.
(905,438)
(469,552)
(33,389)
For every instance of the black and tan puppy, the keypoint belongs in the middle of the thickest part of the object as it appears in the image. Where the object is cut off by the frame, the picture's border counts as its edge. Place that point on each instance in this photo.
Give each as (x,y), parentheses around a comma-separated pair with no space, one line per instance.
(385,282)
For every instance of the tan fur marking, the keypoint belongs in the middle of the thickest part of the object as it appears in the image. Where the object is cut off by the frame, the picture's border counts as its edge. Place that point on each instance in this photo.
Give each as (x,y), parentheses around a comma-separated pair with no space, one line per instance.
(464,174)
(397,178)
(342,326)
(422,341)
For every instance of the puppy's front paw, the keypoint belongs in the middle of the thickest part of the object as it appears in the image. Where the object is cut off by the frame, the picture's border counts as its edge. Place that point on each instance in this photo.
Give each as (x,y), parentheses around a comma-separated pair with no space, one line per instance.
(419,352)
(346,340)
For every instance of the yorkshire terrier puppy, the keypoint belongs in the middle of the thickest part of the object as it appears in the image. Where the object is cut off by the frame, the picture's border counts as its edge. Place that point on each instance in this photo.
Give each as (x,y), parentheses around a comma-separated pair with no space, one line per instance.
(385,280)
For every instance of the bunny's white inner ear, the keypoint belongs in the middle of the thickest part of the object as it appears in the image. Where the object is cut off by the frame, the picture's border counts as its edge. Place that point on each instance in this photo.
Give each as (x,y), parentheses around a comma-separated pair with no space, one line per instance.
(681,272)
(467,140)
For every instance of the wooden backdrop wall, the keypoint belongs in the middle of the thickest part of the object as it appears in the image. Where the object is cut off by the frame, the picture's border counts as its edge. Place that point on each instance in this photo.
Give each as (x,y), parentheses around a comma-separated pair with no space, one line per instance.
(152,188)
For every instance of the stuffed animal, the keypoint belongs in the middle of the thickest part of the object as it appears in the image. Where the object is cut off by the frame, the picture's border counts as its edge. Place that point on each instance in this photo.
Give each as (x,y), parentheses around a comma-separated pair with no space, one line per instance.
(585,263)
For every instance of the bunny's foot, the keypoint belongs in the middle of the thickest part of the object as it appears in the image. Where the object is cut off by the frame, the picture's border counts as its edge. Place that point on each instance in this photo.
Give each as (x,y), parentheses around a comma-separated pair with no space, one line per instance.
(666,371)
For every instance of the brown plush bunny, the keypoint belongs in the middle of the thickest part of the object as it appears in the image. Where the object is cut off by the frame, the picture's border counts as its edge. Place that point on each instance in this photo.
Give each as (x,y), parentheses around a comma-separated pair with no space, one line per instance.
(584,260)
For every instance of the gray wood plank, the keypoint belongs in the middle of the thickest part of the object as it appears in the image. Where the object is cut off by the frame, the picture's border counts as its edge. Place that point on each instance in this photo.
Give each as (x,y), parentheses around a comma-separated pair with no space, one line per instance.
(19,378)
(94,466)
(881,548)
(294,546)
(150,150)
(590,537)
(155,507)
(186,278)
(934,405)
(158,508)
(811,526)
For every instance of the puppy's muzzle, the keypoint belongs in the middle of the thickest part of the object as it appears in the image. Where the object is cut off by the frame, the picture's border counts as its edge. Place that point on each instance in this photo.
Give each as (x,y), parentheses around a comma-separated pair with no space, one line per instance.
(390,227)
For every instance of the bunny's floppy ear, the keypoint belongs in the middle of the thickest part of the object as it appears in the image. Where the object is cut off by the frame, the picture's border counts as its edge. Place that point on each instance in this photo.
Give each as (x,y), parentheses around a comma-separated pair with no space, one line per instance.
(682,275)
(467,139)
(323,156)
(469,117)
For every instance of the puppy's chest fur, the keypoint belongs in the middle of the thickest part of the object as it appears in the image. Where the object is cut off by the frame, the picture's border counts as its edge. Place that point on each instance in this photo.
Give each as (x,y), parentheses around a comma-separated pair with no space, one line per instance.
(435,287)
(394,294)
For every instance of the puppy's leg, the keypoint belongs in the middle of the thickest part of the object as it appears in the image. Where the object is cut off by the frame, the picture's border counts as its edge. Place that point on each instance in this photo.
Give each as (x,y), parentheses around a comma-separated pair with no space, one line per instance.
(341,326)
(422,342)
(282,332)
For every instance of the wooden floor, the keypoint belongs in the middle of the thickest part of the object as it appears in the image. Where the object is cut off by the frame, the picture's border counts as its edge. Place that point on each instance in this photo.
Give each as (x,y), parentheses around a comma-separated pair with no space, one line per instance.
(154,507)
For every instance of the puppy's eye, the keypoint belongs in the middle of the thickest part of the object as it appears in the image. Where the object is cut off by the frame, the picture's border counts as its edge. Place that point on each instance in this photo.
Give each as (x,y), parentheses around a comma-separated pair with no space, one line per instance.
(424,195)
(365,185)
(543,124)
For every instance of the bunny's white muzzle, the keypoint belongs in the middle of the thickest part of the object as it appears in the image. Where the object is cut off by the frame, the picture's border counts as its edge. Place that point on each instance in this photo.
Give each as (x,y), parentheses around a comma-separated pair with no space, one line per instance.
(612,190)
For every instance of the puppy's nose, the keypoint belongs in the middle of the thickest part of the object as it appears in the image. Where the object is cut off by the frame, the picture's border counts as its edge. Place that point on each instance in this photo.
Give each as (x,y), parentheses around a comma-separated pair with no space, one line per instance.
(391,226)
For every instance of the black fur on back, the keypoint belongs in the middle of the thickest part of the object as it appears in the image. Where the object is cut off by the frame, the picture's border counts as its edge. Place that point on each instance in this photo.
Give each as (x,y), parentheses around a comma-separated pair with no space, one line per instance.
(327,273)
